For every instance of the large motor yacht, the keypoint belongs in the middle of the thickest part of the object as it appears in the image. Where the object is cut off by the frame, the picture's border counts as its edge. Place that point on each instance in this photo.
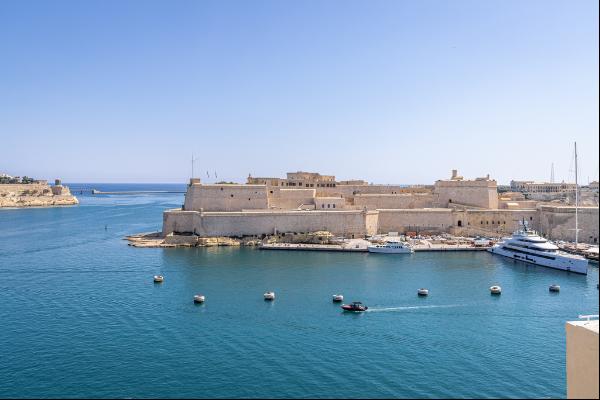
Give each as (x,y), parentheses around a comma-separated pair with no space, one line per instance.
(391,247)
(526,245)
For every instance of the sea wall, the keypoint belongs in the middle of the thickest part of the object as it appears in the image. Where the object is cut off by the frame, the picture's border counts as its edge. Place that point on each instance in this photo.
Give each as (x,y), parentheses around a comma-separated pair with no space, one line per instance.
(205,224)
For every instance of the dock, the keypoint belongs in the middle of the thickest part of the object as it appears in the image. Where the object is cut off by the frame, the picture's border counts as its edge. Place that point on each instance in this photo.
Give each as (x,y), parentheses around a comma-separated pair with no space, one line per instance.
(361,248)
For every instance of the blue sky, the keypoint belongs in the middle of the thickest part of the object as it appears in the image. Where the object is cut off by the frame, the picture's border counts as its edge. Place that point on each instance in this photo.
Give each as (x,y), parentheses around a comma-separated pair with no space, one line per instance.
(388,91)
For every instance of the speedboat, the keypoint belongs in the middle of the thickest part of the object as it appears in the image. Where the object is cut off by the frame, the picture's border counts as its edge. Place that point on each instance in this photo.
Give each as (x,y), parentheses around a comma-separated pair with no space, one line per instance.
(391,247)
(158,278)
(355,306)
(495,289)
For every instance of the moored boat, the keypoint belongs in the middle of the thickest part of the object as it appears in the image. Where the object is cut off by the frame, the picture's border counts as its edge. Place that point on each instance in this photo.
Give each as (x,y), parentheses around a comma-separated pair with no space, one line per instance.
(391,247)
(269,296)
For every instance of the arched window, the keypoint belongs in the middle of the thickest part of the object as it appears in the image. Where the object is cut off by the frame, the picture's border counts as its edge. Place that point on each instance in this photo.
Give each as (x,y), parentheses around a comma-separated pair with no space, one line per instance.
(459,222)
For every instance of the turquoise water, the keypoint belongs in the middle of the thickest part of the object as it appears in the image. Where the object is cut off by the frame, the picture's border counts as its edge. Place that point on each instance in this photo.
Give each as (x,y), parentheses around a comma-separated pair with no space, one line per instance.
(81,316)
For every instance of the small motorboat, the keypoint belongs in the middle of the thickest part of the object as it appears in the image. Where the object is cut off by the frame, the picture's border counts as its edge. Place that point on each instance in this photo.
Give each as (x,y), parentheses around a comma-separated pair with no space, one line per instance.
(495,289)
(355,306)
(199,298)
(423,292)
(158,278)
(269,296)
(554,288)
(337,298)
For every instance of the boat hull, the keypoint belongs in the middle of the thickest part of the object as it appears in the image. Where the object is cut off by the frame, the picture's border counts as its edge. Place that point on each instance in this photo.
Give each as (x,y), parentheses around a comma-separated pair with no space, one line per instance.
(387,250)
(576,265)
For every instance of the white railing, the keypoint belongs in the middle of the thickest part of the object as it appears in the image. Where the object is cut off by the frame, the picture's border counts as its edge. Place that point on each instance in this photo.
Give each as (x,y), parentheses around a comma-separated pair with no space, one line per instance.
(588,317)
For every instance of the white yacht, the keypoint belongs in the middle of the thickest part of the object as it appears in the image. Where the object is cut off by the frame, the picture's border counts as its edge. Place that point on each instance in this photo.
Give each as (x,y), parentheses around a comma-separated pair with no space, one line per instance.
(391,248)
(526,245)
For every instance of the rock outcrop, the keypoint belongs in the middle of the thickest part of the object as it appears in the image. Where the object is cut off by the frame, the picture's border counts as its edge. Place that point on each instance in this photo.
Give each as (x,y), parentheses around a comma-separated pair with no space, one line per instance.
(35,195)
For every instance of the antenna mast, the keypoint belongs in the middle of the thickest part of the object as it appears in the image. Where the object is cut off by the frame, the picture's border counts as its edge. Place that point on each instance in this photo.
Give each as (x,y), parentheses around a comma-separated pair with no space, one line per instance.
(576,201)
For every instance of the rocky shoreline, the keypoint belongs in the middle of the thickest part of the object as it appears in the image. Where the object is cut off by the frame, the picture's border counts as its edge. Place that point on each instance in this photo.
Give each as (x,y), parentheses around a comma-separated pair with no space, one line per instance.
(35,195)
(156,239)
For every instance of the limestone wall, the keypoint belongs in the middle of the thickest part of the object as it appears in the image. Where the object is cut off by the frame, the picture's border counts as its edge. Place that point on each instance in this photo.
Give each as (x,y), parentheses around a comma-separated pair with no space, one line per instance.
(558,223)
(495,223)
(391,201)
(330,203)
(349,191)
(225,197)
(415,220)
(347,223)
(479,193)
(290,199)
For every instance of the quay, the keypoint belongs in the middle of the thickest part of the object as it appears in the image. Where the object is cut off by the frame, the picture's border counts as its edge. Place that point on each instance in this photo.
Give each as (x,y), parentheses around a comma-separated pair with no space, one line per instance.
(355,247)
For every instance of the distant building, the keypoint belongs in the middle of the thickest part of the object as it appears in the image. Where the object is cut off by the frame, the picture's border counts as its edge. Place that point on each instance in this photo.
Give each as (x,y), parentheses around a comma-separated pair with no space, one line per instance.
(541,187)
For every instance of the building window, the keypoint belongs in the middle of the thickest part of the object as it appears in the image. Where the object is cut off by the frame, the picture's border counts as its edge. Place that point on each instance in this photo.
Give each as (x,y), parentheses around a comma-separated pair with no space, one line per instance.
(231,195)
(328,205)
(322,205)
(334,206)
(459,222)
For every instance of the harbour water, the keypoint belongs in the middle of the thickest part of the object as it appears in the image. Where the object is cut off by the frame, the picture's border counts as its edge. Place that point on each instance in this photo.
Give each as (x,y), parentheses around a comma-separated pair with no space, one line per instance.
(81,317)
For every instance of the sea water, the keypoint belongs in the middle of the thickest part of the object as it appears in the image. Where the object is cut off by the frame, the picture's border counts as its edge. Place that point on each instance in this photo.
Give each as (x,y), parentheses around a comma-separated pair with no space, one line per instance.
(81,317)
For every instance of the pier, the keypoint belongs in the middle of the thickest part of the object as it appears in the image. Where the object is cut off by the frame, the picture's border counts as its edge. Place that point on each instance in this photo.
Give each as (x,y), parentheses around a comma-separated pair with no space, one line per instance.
(355,247)
(130,192)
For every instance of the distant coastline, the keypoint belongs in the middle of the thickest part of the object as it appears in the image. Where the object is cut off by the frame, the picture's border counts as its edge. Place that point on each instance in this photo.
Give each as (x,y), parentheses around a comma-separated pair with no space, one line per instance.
(35,194)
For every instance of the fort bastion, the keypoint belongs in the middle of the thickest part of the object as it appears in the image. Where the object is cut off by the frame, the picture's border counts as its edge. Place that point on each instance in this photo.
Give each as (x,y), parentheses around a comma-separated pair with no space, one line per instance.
(308,202)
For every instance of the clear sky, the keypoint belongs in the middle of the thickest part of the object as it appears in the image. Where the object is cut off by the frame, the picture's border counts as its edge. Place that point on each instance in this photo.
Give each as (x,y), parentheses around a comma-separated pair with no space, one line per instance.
(388,91)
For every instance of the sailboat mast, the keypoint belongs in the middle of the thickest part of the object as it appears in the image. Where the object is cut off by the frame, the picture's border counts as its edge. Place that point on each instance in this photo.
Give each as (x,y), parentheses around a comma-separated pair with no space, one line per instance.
(576,201)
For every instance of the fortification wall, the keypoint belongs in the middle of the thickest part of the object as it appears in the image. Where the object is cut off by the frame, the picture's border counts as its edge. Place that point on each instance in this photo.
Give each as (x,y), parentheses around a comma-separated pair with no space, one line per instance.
(415,220)
(349,191)
(347,223)
(495,223)
(290,199)
(394,201)
(226,197)
(330,203)
(478,193)
(558,223)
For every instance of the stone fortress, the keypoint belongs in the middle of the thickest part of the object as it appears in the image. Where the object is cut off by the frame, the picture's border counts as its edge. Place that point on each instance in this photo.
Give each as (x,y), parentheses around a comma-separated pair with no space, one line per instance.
(306,202)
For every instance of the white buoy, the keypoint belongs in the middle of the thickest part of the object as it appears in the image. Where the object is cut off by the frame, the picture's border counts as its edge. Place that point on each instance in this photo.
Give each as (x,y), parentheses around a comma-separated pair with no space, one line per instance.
(495,289)
(158,278)
(199,298)
(554,288)
(338,298)
(423,292)
(269,296)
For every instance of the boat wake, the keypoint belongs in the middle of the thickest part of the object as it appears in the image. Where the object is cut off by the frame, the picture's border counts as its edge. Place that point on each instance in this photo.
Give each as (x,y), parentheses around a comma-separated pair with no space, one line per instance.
(389,309)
